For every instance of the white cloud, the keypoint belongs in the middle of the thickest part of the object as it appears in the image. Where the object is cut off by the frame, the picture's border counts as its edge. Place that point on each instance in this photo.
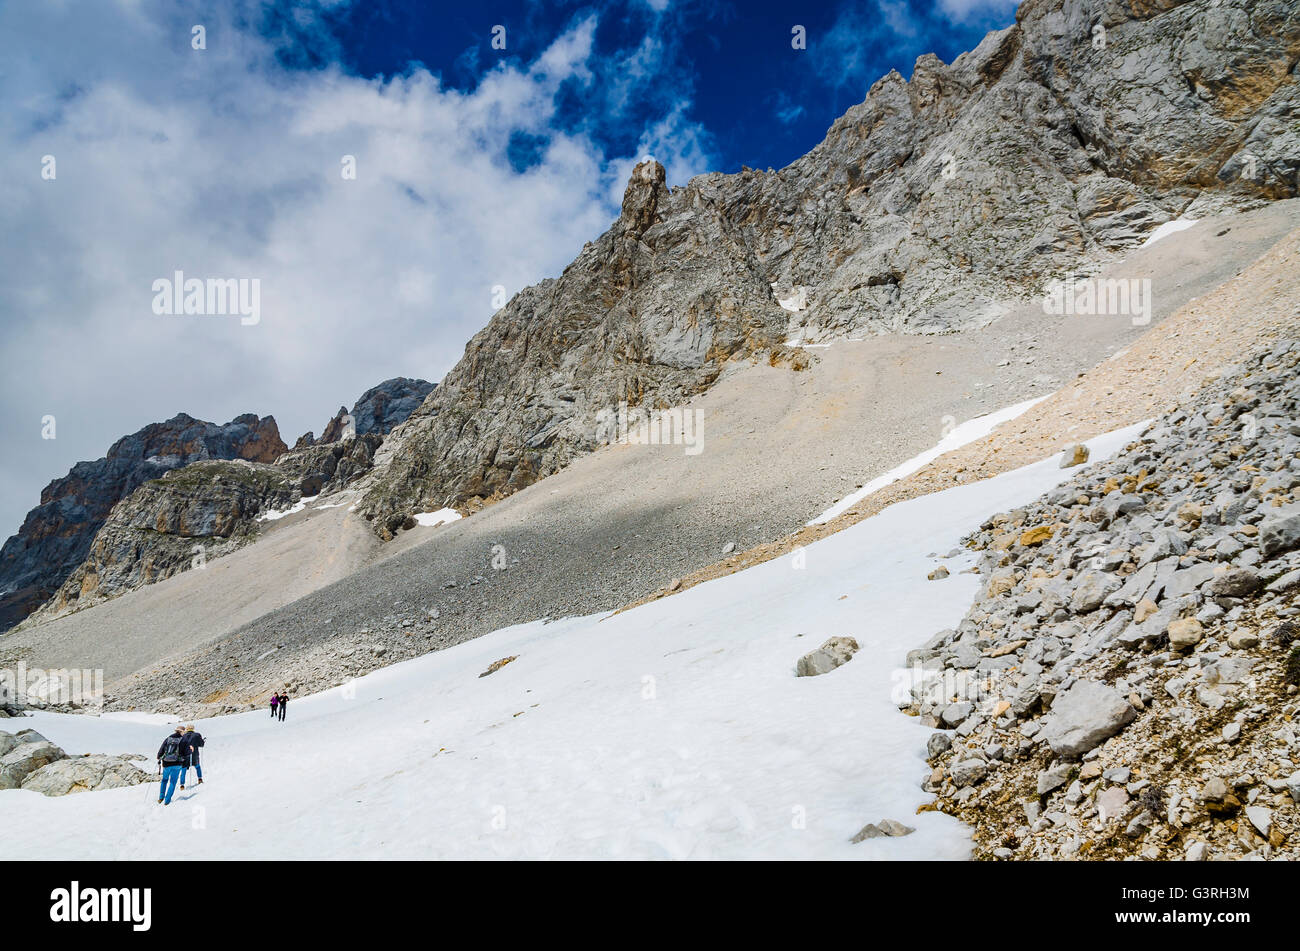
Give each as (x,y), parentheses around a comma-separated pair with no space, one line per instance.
(222,164)
(966,11)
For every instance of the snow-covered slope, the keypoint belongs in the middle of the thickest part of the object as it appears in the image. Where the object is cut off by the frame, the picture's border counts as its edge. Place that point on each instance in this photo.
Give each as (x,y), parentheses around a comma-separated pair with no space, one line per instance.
(673,730)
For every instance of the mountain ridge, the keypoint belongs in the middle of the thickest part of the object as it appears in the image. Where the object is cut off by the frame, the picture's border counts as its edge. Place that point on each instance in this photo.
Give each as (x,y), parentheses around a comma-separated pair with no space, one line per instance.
(1056,144)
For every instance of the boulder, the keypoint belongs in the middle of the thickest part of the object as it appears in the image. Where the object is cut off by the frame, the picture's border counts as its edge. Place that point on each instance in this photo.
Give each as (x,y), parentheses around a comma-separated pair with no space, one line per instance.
(955,713)
(836,651)
(1234,583)
(1185,633)
(1084,716)
(886,827)
(968,772)
(1280,531)
(1116,504)
(1036,535)
(25,759)
(1075,455)
(1285,582)
(1187,580)
(939,742)
(84,774)
(1092,590)
(1053,778)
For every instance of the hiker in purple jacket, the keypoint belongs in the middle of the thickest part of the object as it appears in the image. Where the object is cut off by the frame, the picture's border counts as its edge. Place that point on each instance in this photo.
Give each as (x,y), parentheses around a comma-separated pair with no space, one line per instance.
(275,704)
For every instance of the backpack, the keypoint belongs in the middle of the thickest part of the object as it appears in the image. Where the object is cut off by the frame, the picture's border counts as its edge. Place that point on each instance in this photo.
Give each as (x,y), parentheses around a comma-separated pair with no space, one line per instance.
(173,750)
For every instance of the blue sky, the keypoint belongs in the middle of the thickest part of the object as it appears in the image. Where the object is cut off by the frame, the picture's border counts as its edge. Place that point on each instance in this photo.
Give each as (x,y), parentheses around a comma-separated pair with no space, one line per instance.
(478,169)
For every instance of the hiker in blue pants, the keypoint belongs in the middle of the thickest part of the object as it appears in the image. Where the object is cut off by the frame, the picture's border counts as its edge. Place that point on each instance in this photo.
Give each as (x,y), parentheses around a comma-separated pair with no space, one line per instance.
(172,756)
(193,741)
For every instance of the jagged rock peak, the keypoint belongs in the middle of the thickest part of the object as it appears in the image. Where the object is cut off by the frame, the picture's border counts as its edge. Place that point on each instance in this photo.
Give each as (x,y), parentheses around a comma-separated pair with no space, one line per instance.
(645,186)
(376,411)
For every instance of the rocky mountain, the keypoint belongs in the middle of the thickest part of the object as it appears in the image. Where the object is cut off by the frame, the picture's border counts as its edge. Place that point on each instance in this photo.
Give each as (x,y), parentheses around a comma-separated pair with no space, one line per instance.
(1128,679)
(56,536)
(182,520)
(1054,145)
(189,512)
(649,314)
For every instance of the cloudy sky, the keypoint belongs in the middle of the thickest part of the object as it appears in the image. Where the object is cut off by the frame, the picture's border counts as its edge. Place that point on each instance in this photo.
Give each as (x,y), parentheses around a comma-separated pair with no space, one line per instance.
(126,154)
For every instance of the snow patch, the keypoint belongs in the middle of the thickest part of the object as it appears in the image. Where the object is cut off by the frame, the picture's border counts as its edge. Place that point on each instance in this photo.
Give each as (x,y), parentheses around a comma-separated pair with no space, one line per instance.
(797,301)
(275,515)
(1168,228)
(434,519)
(967,432)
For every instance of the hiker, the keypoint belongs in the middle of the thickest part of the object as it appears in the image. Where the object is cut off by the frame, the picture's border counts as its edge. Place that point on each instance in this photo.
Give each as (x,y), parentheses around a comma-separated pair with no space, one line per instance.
(284,704)
(172,756)
(193,741)
(275,704)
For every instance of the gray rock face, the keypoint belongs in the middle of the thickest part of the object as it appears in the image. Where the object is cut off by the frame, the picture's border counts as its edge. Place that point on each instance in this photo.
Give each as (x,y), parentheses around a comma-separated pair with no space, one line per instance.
(84,774)
(57,535)
(154,532)
(833,653)
(376,412)
(326,467)
(382,407)
(1084,716)
(926,207)
(25,759)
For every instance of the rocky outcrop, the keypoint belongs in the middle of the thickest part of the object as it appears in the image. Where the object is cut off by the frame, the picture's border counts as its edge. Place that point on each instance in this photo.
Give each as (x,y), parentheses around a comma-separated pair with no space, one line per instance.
(30,761)
(648,315)
(172,524)
(1128,685)
(201,510)
(28,752)
(834,653)
(382,407)
(329,466)
(1054,145)
(85,774)
(376,412)
(56,536)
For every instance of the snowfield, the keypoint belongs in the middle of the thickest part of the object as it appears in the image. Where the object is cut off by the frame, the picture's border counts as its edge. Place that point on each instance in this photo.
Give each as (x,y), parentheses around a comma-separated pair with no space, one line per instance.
(673,730)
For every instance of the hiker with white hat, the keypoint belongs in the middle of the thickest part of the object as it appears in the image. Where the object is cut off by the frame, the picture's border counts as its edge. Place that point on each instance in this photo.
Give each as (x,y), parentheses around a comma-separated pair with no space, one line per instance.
(193,741)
